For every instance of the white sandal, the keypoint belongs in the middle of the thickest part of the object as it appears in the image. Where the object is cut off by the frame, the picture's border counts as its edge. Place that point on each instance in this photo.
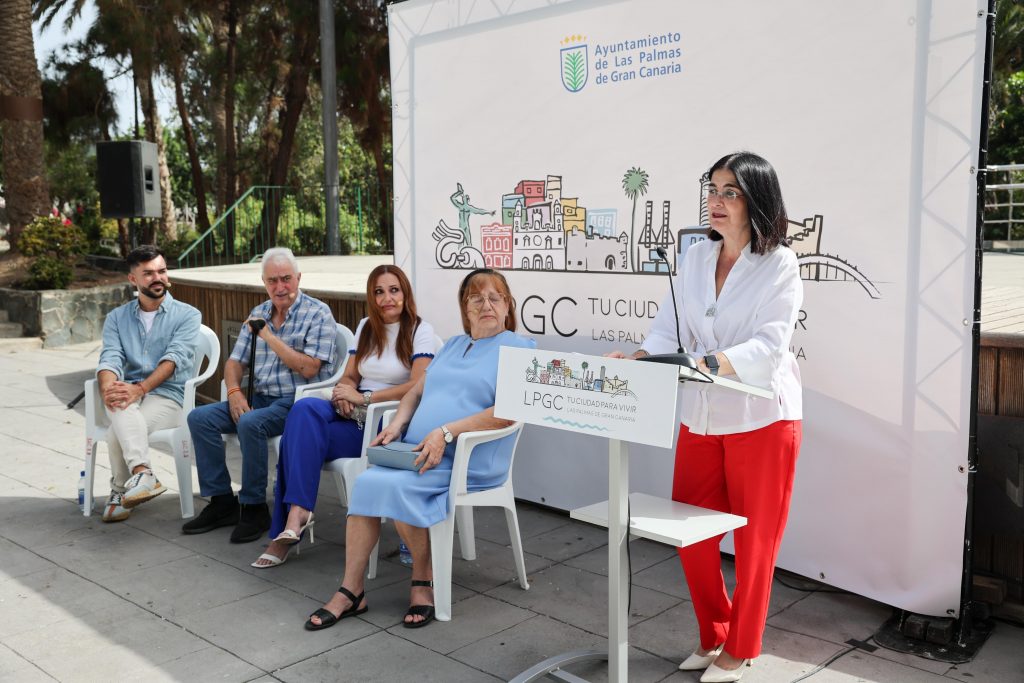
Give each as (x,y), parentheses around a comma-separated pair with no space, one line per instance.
(272,560)
(289,537)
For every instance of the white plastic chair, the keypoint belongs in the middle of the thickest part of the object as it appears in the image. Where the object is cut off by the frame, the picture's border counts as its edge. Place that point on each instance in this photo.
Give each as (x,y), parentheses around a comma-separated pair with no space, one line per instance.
(460,508)
(177,438)
(345,470)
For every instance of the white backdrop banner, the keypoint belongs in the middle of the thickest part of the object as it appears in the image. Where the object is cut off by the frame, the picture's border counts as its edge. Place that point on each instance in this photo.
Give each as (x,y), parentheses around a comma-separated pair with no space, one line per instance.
(564,142)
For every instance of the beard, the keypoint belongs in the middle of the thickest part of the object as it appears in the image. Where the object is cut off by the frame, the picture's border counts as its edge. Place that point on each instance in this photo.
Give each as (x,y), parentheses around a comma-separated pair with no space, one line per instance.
(148,291)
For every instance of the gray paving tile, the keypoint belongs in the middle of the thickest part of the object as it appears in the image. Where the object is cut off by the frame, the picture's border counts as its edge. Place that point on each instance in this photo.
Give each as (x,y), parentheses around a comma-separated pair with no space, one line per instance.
(1001,658)
(266,629)
(489,522)
(643,555)
(183,586)
(115,550)
(53,595)
(105,648)
(477,617)
(835,617)
(382,657)
(672,635)
(580,598)
(566,541)
(494,565)
(15,669)
(211,663)
(786,656)
(18,561)
(860,666)
(514,650)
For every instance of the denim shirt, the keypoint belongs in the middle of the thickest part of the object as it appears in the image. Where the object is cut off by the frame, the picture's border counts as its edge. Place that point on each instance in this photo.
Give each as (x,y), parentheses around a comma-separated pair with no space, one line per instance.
(132,354)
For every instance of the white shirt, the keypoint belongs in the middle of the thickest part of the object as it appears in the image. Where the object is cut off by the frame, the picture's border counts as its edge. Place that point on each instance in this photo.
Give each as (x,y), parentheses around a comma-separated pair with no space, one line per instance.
(385,371)
(147,318)
(751,322)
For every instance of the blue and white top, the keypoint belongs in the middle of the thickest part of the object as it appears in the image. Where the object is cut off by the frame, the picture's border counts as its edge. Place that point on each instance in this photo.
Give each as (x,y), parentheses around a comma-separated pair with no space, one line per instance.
(386,371)
(308,328)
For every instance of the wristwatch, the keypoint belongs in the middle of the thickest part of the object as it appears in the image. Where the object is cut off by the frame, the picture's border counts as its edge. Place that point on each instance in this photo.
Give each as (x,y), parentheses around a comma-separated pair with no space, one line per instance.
(448,436)
(367,395)
(711,360)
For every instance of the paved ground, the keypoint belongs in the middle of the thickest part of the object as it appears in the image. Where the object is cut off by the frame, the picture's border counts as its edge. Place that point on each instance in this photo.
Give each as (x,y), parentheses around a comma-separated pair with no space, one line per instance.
(84,601)
(1002,293)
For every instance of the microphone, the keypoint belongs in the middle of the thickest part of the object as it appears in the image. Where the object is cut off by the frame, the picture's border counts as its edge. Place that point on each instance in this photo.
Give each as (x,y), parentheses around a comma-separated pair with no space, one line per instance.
(680,357)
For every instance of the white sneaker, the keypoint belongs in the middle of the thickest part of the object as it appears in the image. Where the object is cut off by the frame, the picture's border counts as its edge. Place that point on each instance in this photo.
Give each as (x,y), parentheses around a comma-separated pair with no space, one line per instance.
(140,488)
(114,510)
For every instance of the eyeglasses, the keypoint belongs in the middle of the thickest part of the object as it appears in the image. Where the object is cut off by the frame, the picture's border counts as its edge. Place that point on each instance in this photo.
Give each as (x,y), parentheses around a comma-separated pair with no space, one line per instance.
(476,301)
(728,195)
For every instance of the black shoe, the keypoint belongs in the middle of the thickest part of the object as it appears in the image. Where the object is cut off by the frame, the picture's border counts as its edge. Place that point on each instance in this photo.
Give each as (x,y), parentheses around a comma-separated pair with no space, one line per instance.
(222,511)
(253,522)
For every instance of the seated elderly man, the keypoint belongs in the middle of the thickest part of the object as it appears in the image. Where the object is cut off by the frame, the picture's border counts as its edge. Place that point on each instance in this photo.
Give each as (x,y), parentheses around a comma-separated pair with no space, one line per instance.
(295,345)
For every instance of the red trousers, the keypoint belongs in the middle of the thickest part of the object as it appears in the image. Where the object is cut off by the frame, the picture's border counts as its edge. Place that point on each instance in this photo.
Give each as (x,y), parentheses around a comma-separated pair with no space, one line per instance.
(748,474)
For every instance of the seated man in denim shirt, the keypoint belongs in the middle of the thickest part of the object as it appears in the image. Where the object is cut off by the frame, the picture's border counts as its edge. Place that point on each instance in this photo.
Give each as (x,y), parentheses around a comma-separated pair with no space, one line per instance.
(148,355)
(296,346)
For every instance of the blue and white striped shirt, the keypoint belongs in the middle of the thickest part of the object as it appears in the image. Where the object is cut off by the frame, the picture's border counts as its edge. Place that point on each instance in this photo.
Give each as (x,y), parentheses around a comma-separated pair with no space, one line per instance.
(308,328)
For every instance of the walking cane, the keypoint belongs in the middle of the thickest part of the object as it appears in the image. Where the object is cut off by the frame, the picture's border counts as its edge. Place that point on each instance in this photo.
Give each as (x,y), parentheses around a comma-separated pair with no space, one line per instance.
(255,326)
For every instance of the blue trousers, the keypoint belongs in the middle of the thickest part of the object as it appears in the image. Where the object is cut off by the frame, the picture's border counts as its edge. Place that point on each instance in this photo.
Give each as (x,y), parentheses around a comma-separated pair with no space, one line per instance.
(208,423)
(313,434)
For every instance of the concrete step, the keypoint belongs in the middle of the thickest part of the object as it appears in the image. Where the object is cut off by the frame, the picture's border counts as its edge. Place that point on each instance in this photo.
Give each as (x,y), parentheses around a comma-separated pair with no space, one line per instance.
(16,344)
(9,330)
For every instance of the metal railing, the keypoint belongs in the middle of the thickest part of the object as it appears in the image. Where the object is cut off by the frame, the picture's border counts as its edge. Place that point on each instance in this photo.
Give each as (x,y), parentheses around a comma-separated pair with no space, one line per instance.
(1004,207)
(273,216)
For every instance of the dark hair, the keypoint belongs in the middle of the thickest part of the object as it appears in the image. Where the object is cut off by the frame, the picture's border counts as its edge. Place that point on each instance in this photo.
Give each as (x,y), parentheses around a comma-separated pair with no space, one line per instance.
(760,186)
(143,253)
(373,338)
(469,287)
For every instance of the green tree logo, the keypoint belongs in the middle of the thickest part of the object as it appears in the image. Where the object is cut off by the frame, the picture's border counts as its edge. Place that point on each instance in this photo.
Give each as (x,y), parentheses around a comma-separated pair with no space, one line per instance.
(574,67)
(634,184)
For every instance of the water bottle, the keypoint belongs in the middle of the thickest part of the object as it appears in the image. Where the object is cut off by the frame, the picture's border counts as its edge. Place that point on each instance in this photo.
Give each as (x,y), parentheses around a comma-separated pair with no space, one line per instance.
(404,556)
(81,492)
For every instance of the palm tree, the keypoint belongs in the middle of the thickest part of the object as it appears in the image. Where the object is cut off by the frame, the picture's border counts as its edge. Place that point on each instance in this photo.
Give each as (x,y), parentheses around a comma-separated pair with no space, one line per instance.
(634,184)
(24,177)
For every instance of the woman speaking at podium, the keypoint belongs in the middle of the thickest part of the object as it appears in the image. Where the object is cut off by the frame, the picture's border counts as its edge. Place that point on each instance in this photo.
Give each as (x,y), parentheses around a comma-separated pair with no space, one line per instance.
(738,295)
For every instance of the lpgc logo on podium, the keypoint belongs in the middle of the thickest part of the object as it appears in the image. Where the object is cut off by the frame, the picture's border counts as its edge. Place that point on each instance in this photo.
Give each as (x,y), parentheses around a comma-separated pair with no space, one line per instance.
(575,63)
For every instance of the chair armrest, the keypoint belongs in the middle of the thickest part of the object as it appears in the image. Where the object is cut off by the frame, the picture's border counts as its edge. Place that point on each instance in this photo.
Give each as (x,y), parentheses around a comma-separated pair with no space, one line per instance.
(94,413)
(312,387)
(375,412)
(464,446)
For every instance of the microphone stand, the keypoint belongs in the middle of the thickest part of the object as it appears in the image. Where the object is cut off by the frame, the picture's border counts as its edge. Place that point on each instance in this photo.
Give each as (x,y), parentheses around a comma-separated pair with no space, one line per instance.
(680,357)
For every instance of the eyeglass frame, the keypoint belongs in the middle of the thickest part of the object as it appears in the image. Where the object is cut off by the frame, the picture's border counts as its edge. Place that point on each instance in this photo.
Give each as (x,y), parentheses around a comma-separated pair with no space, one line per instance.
(710,192)
(478,306)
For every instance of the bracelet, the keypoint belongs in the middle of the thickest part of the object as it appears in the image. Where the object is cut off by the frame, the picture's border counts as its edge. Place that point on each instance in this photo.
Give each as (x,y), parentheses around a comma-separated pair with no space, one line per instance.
(233,390)
(144,389)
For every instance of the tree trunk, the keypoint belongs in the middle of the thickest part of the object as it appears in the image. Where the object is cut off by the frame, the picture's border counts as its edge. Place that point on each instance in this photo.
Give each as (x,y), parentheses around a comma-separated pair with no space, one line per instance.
(24,176)
(155,133)
(198,184)
(295,96)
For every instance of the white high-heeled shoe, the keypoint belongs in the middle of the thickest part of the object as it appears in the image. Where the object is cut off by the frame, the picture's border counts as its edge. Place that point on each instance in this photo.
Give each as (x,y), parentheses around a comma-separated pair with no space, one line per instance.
(289,537)
(698,662)
(716,674)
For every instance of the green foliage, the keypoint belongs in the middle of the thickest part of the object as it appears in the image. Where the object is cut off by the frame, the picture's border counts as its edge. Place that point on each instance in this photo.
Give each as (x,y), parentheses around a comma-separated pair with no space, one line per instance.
(1006,130)
(47,272)
(573,71)
(54,243)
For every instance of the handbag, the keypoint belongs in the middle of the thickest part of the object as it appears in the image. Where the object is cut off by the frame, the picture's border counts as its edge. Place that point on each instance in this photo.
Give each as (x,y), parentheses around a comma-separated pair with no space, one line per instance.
(396,455)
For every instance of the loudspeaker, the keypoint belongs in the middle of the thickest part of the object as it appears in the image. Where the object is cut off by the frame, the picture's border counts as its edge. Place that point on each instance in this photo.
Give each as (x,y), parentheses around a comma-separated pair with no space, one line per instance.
(127,176)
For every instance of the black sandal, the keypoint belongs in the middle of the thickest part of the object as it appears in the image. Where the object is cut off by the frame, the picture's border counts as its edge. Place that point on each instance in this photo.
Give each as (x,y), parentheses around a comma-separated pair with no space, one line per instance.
(328,619)
(425,611)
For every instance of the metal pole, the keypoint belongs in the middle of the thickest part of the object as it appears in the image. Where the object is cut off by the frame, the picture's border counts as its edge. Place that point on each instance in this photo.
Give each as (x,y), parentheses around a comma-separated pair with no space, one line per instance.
(329,88)
(966,618)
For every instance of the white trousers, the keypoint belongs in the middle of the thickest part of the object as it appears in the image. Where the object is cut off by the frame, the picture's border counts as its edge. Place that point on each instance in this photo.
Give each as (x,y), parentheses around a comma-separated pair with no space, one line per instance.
(128,437)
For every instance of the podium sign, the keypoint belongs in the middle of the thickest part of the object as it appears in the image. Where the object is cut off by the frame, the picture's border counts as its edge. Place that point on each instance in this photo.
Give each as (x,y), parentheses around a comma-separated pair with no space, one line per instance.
(609,397)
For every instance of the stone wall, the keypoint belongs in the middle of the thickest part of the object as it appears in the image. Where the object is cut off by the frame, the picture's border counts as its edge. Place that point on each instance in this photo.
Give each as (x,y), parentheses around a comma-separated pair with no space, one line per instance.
(64,316)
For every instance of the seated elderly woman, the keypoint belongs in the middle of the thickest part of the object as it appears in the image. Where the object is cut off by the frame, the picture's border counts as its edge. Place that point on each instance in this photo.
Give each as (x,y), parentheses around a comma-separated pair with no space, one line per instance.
(456,395)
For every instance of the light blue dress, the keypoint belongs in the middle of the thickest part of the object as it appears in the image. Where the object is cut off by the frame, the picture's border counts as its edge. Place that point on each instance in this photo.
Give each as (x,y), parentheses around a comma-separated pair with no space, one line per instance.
(460,381)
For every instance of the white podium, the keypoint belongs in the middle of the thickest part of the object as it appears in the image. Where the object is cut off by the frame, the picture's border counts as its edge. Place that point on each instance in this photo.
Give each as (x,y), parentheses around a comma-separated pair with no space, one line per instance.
(623,401)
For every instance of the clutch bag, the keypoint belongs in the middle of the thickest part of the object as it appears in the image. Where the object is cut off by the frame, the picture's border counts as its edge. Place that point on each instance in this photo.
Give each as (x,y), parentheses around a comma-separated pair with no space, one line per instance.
(397,455)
